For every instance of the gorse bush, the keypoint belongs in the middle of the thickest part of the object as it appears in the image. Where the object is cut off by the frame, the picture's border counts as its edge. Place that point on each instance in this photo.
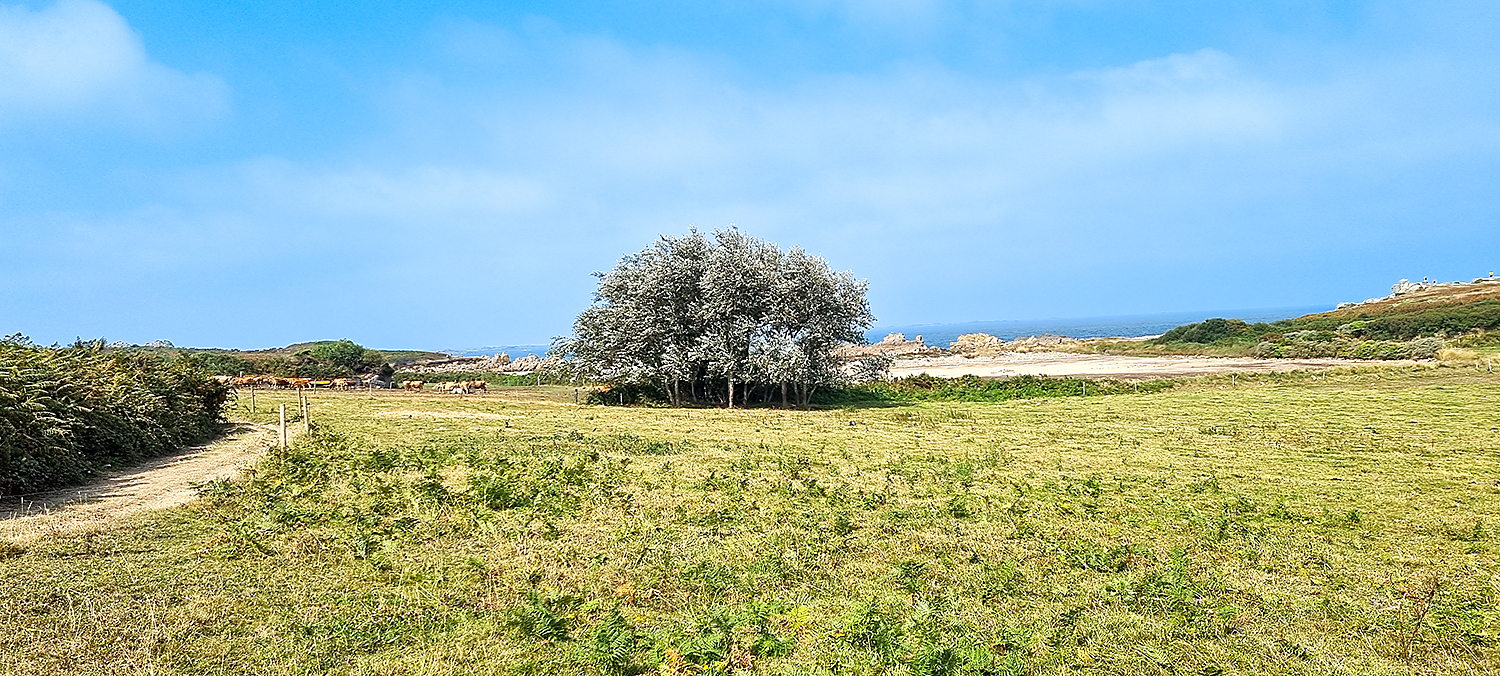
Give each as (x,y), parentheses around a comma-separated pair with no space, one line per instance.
(1407,322)
(1400,331)
(64,412)
(1316,337)
(1206,331)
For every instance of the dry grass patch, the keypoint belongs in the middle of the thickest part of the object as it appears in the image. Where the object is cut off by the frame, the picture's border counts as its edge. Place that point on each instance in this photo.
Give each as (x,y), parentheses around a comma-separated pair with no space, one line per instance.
(1285,525)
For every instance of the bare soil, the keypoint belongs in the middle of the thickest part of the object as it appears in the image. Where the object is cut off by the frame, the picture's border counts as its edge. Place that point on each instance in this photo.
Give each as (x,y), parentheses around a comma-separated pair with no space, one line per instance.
(157,483)
(1104,366)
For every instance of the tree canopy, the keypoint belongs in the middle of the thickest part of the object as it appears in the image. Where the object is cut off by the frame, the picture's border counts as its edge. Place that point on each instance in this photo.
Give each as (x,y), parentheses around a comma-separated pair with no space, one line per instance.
(345,353)
(699,316)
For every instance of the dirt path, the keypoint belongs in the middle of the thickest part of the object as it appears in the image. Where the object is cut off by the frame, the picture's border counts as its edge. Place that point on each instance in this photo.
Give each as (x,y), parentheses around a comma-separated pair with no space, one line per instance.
(1104,366)
(156,483)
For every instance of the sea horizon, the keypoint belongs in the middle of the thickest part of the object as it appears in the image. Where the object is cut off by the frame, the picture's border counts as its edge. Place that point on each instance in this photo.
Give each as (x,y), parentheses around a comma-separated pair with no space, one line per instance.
(941,335)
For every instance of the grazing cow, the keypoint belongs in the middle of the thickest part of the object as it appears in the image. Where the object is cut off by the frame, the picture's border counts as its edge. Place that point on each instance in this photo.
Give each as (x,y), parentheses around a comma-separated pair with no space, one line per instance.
(473,385)
(299,382)
(450,386)
(342,383)
(412,384)
(280,383)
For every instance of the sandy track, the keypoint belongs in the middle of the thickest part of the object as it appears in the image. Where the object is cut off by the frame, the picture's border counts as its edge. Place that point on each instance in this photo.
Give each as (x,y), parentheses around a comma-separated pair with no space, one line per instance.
(1103,366)
(161,482)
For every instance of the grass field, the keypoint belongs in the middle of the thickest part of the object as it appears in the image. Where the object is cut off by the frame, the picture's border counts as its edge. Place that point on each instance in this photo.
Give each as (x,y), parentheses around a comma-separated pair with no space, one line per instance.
(1343,524)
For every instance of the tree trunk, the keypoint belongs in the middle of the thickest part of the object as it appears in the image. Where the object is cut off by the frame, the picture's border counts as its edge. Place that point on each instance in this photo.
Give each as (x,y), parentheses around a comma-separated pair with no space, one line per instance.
(783,394)
(731,392)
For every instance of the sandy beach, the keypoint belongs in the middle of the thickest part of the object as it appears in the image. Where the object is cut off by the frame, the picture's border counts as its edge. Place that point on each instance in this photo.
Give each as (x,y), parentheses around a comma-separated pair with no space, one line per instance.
(1102,366)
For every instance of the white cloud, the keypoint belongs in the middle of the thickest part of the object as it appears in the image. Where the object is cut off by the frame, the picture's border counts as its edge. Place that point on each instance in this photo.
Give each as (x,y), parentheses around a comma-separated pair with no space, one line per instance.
(962,195)
(80,60)
(1206,67)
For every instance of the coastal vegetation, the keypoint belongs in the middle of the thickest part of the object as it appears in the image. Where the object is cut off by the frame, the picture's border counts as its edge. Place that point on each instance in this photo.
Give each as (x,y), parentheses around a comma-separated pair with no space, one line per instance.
(1290,338)
(67,412)
(1412,324)
(1341,522)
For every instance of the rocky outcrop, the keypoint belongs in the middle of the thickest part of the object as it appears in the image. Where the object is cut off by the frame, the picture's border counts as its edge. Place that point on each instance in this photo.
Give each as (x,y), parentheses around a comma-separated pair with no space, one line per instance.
(121,345)
(894,345)
(500,363)
(1407,287)
(983,344)
(1404,286)
(976,342)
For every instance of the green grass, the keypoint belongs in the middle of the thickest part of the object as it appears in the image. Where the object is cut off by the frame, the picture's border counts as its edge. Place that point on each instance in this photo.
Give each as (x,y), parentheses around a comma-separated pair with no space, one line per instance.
(1277,525)
(971,388)
(491,378)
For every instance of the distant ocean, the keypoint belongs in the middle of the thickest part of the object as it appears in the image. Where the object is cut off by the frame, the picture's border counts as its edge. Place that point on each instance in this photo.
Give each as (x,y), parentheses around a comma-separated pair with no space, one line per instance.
(940,335)
(515,351)
(1121,326)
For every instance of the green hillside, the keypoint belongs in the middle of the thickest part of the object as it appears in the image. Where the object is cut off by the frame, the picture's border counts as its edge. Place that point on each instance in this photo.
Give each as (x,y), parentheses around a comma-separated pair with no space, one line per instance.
(1416,323)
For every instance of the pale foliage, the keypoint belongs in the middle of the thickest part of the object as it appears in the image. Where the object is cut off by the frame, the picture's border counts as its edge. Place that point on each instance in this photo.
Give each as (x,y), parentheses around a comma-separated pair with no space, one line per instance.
(693,312)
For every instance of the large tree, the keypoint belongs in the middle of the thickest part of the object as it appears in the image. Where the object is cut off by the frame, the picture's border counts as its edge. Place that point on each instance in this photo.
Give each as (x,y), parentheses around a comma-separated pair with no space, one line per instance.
(694,314)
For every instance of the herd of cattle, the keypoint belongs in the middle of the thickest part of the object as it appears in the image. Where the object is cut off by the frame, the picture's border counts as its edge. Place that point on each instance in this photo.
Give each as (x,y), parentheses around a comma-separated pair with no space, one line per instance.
(454,386)
(273,382)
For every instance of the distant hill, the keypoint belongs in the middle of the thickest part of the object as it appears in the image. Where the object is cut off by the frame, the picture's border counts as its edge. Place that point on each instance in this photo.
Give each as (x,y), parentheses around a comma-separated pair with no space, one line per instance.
(315,359)
(1413,322)
(390,356)
(1417,309)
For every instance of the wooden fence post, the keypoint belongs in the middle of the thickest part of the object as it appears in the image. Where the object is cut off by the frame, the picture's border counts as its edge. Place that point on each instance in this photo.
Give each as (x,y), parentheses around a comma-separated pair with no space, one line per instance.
(252,398)
(283,427)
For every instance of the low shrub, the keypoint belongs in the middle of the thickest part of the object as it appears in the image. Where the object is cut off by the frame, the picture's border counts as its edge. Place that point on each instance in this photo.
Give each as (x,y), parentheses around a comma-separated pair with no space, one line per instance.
(1205,332)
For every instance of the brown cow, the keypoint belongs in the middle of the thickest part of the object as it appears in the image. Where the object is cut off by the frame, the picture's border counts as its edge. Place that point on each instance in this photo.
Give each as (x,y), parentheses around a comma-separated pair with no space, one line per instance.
(473,385)
(412,384)
(450,386)
(299,382)
(342,383)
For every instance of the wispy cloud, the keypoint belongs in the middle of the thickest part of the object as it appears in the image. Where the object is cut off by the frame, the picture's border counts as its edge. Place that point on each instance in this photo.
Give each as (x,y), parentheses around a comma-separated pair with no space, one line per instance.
(78,60)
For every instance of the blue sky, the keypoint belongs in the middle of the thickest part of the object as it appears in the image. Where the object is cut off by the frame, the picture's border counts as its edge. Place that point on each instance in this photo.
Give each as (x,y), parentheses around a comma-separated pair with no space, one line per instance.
(448,174)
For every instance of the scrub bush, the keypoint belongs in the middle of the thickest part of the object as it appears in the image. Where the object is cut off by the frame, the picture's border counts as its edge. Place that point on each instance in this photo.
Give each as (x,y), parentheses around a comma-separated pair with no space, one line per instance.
(65,412)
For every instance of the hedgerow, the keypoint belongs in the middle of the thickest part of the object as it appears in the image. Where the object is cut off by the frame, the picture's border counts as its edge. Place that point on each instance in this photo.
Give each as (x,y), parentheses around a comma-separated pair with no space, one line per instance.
(67,411)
